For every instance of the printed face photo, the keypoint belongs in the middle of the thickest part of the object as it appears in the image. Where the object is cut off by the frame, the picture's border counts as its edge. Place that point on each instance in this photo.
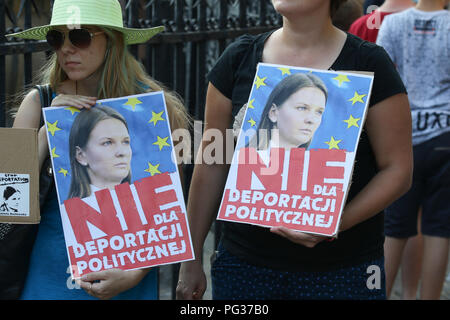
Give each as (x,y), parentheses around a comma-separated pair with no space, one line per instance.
(120,140)
(13,201)
(107,154)
(298,118)
(15,196)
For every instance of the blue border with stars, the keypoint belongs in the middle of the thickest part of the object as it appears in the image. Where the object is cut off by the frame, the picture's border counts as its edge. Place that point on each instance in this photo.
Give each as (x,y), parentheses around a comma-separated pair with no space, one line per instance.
(342,121)
(149,129)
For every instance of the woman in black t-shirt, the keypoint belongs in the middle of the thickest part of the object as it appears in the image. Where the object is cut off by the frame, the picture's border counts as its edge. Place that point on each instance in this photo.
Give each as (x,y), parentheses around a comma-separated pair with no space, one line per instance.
(261,263)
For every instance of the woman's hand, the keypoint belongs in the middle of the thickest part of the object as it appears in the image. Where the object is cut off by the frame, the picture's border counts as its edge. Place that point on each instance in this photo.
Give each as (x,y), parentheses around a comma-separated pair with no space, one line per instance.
(192,281)
(305,239)
(76,101)
(109,283)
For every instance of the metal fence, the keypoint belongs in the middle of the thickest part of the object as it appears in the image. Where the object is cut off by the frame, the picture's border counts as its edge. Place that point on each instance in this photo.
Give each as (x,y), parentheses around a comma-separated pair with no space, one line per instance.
(197,31)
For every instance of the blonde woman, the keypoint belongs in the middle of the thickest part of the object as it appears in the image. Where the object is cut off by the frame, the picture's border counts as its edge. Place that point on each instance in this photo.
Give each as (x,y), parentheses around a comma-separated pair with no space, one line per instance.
(90,62)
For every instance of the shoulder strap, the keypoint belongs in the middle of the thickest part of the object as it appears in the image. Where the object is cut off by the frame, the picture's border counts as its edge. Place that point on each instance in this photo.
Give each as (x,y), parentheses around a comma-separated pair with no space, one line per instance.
(45,95)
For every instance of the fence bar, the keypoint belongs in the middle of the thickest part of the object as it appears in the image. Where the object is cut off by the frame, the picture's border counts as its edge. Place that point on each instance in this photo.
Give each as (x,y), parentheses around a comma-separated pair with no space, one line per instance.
(133,21)
(2,66)
(200,82)
(263,13)
(179,76)
(28,62)
(242,13)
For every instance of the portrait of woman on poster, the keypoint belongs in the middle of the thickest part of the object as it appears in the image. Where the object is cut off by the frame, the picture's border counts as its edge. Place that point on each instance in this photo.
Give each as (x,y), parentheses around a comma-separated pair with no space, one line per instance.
(11,200)
(100,151)
(292,114)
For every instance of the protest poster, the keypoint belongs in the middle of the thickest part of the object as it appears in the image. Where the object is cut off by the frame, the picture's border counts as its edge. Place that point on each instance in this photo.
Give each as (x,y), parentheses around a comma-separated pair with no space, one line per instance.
(295,152)
(19,176)
(119,191)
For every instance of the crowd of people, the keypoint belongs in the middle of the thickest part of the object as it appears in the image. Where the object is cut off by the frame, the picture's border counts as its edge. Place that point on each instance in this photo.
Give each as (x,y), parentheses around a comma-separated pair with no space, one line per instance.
(395,214)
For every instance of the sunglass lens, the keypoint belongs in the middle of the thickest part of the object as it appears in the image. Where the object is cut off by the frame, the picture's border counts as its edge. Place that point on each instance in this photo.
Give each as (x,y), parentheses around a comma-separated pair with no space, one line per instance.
(55,39)
(80,38)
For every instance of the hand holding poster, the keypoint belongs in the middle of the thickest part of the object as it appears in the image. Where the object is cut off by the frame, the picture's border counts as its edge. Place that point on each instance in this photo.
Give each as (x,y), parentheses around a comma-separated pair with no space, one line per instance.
(295,152)
(118,186)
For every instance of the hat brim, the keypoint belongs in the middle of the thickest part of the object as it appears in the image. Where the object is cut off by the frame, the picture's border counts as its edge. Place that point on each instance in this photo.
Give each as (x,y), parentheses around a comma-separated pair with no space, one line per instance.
(131,36)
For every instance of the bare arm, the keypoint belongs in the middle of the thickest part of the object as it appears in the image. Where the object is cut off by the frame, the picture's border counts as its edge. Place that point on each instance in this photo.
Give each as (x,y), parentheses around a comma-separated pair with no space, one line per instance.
(206,190)
(389,129)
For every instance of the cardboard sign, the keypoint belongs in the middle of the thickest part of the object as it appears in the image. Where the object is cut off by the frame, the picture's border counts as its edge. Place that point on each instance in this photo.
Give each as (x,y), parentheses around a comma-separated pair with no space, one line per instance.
(19,176)
(119,191)
(296,149)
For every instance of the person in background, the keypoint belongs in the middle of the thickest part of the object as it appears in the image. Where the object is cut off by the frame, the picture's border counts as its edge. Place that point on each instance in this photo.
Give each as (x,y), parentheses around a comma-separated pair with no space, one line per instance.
(417,41)
(368,3)
(347,13)
(367,26)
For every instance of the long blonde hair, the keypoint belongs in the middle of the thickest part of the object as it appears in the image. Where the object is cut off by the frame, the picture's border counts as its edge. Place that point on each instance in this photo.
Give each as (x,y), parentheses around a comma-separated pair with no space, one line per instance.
(122,75)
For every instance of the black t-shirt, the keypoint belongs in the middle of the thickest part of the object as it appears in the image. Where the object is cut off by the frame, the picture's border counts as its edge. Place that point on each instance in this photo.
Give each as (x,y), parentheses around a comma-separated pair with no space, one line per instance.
(233,76)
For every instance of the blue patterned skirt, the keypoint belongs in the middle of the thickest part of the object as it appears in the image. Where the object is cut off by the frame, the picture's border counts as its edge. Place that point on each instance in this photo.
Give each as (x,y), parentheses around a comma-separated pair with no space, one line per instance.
(235,279)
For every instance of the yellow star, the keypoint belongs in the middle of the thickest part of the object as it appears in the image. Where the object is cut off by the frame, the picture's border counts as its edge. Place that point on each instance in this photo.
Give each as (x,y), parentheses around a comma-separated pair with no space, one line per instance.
(63,171)
(333,144)
(52,127)
(252,122)
(152,169)
(341,78)
(133,102)
(156,117)
(161,142)
(72,110)
(357,98)
(260,82)
(250,104)
(352,122)
(54,155)
(284,71)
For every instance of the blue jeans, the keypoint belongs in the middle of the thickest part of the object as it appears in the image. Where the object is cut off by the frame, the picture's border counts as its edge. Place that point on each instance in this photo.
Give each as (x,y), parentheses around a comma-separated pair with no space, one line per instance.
(235,279)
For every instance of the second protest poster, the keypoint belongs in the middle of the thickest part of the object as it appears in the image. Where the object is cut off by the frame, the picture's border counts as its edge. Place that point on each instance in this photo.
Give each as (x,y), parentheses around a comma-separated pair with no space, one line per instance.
(118,186)
(296,149)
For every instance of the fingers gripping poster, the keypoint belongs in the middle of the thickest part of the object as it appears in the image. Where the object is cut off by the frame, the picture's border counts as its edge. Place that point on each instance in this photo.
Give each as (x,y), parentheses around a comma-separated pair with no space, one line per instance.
(296,148)
(118,186)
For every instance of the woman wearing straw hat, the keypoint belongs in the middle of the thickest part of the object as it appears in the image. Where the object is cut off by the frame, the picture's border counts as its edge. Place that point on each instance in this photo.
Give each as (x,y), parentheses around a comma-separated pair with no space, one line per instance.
(91,62)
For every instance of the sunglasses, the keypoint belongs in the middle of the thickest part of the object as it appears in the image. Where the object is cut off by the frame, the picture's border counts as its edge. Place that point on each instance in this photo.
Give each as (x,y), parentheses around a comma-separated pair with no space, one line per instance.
(80,38)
